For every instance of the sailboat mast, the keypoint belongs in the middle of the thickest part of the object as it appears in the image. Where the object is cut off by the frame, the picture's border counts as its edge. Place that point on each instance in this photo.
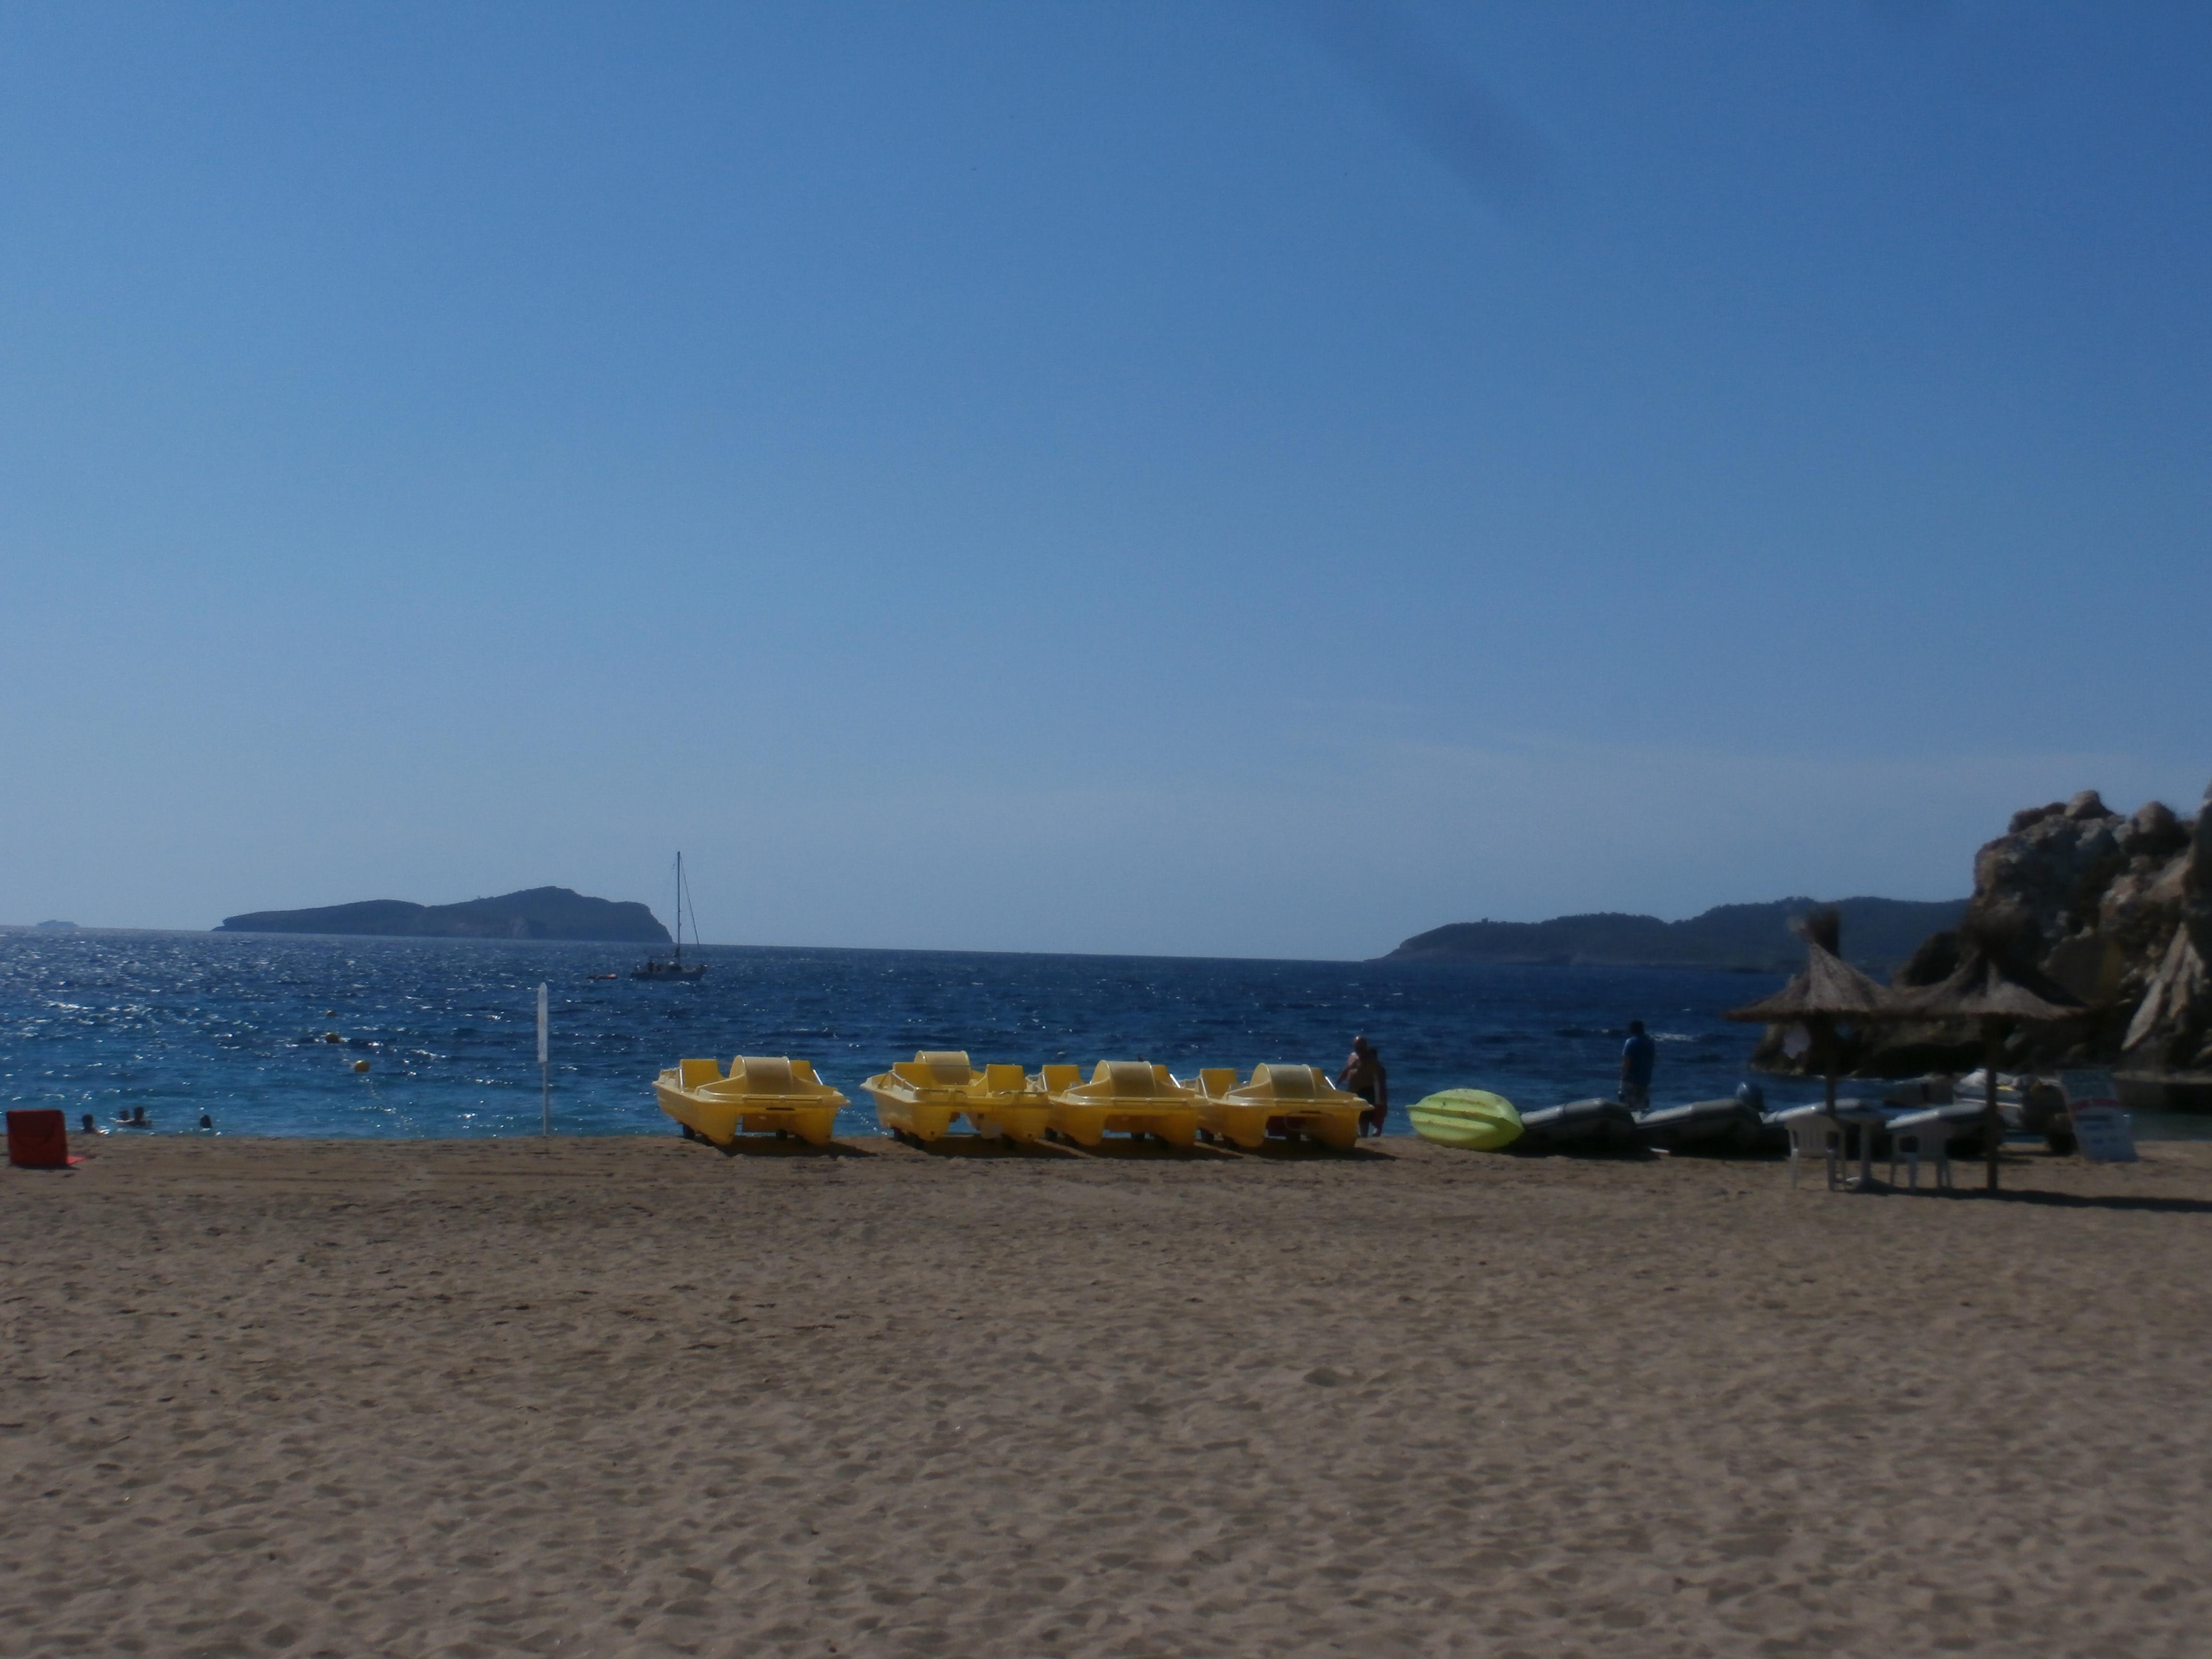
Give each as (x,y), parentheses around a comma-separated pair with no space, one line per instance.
(679,909)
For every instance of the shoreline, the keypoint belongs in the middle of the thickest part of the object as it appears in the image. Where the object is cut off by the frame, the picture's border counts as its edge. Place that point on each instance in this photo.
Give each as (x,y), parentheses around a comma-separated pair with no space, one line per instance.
(629,1395)
(151,1162)
(155,1162)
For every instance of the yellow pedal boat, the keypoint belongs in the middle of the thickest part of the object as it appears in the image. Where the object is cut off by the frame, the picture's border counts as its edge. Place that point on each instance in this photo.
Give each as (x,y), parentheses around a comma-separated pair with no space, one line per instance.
(922,1098)
(1291,1102)
(760,1096)
(1124,1097)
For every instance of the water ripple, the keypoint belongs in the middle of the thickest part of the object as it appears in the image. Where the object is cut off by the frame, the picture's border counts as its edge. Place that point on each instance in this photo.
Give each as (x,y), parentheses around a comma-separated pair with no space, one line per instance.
(185,1024)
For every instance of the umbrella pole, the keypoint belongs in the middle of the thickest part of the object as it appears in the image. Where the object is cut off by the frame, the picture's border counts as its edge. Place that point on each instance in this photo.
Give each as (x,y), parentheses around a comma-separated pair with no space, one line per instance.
(1828,1054)
(1992,1125)
(1831,1059)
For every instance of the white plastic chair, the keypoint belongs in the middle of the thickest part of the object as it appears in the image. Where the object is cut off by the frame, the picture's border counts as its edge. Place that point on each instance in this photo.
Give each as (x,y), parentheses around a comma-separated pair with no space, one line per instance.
(1917,1135)
(1813,1134)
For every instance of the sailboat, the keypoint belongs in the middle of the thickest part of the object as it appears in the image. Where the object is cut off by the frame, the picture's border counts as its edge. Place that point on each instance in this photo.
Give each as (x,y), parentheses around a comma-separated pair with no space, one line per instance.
(674,967)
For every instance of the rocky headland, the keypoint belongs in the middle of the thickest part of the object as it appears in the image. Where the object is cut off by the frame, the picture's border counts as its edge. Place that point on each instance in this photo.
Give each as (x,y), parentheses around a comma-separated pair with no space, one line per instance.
(2116,907)
(547,913)
(1879,934)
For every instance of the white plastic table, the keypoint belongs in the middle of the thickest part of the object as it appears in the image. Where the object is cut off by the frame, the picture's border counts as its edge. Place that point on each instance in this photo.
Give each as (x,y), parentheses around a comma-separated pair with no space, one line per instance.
(1866,1120)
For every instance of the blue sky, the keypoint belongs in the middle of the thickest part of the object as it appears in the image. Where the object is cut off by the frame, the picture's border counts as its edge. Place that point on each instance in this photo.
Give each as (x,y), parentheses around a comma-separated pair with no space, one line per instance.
(1206,477)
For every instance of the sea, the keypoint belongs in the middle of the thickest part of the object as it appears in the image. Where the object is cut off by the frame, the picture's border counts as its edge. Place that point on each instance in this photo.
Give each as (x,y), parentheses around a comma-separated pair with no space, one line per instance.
(264,1034)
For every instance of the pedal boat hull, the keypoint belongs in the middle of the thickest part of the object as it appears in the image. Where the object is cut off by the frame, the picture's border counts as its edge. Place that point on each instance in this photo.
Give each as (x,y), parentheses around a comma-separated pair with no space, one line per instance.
(762,1096)
(923,1098)
(1290,1102)
(1123,1097)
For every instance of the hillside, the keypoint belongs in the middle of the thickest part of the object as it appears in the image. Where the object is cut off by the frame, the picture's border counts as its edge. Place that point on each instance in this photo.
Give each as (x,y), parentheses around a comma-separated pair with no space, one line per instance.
(1878,933)
(549,913)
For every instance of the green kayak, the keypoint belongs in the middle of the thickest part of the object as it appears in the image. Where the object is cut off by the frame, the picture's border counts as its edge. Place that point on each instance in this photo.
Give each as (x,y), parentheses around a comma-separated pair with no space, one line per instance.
(1473,1118)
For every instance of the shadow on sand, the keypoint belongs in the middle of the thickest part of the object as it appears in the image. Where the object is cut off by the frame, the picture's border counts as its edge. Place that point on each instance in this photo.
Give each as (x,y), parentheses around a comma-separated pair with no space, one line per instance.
(2075,1200)
(1275,1150)
(1129,1149)
(781,1146)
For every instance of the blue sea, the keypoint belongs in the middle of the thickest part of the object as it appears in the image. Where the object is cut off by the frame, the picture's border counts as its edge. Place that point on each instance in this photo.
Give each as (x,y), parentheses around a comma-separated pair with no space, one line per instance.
(237,1027)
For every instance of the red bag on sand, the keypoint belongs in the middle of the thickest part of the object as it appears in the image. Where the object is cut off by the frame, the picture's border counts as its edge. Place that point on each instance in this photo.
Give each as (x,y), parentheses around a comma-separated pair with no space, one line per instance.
(38,1140)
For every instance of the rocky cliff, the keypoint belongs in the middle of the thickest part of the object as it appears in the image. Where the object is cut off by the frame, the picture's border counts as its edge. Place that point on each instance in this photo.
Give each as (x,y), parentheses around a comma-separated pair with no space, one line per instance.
(549,913)
(2116,908)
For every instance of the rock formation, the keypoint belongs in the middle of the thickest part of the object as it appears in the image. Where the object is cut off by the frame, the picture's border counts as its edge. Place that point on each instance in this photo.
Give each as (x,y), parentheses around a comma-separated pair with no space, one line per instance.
(2117,909)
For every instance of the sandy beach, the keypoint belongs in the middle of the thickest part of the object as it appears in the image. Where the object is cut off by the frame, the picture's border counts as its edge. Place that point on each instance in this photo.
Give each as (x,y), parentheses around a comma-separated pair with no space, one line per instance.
(631,1396)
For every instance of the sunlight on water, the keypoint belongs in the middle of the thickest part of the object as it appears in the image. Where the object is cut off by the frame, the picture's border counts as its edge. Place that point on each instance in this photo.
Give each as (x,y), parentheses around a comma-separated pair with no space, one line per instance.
(264,1032)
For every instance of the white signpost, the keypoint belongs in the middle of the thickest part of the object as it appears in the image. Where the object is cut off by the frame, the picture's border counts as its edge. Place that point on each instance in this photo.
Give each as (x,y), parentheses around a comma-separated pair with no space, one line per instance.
(2104,1134)
(544,1069)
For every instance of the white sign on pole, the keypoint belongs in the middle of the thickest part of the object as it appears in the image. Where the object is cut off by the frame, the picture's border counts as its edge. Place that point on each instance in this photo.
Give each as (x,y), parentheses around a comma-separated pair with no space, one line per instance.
(542,1052)
(2104,1134)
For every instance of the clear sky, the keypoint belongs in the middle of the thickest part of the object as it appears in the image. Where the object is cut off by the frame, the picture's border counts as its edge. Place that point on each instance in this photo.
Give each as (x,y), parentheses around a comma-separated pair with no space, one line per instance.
(1205,476)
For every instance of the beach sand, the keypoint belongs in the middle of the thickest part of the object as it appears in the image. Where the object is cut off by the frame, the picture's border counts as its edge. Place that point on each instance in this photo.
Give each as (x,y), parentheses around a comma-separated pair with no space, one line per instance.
(631,1396)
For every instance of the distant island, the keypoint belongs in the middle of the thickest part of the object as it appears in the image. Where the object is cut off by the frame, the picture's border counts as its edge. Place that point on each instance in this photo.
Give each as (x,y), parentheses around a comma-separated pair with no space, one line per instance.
(1878,933)
(552,912)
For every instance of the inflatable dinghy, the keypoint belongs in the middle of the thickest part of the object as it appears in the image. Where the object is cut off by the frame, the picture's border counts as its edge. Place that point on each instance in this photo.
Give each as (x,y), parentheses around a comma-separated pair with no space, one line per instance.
(1580,1125)
(1715,1128)
(1962,1120)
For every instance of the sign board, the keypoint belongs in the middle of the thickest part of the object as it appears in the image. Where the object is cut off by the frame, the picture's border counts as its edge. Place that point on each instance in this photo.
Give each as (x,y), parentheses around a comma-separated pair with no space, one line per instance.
(2104,1134)
(541,1025)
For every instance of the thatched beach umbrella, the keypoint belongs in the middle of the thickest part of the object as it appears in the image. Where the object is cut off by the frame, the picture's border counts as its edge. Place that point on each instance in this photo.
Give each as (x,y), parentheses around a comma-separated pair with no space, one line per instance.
(2001,993)
(1830,991)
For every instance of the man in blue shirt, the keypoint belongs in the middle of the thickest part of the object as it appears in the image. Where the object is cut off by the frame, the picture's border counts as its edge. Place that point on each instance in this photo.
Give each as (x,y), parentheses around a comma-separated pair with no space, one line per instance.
(1637,1056)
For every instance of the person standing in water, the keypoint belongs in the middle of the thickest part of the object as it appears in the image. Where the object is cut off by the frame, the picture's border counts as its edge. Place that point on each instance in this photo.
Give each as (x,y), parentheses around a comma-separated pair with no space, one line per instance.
(1364,1075)
(1637,1056)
